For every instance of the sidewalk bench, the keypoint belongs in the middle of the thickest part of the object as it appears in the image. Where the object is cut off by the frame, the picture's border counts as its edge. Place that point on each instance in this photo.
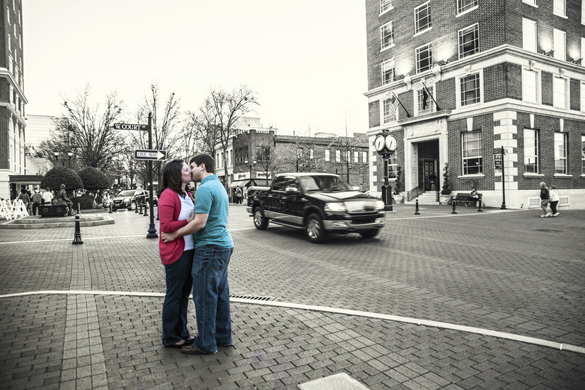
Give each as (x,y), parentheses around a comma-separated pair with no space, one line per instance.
(53,210)
(463,197)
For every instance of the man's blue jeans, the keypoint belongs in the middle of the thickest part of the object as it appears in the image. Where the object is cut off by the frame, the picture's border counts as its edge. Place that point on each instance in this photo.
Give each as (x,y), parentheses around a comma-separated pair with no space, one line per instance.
(211,294)
(174,314)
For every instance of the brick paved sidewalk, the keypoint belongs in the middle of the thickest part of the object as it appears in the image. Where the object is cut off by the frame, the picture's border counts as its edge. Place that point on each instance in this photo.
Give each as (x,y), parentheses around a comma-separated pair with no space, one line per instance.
(107,341)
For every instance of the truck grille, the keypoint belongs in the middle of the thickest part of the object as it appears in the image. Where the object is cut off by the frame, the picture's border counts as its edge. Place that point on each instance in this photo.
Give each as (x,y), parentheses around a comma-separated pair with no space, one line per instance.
(361,206)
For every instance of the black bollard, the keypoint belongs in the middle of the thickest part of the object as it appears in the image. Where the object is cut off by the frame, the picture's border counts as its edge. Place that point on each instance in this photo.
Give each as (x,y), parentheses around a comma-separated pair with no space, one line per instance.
(157,213)
(146,209)
(77,235)
(416,208)
(454,206)
(479,210)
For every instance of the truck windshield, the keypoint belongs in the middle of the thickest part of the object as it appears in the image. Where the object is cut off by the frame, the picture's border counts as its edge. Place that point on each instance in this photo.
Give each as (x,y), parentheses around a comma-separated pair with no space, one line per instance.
(323,183)
(126,193)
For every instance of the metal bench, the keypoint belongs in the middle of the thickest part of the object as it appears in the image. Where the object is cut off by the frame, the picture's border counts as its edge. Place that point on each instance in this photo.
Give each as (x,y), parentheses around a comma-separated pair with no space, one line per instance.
(463,197)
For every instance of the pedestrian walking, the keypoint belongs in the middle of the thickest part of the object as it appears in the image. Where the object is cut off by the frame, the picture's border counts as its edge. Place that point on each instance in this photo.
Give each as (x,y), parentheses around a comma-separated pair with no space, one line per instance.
(239,195)
(175,208)
(37,200)
(554,200)
(544,200)
(213,249)
(25,197)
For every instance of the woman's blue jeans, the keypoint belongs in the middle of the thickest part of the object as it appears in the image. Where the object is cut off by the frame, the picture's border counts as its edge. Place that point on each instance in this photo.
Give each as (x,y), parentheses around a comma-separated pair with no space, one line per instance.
(211,294)
(179,284)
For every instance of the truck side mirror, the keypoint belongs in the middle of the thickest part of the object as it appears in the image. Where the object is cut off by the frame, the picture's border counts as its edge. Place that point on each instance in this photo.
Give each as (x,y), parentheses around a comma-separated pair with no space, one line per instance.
(291,190)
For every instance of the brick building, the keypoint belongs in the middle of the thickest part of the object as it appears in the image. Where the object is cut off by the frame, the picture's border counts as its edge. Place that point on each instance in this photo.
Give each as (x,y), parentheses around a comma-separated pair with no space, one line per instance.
(13,166)
(457,80)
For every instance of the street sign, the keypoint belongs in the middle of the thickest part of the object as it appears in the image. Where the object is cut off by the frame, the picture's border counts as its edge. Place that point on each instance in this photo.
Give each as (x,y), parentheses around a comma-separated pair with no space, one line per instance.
(150,154)
(130,126)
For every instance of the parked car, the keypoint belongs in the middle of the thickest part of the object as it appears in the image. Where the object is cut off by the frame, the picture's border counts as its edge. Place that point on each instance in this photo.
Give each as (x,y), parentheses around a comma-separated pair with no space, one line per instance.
(129,199)
(319,203)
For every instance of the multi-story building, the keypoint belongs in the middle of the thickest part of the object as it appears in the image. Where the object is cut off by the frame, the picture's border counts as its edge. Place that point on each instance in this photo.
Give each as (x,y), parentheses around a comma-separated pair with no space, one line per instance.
(13,167)
(255,153)
(458,80)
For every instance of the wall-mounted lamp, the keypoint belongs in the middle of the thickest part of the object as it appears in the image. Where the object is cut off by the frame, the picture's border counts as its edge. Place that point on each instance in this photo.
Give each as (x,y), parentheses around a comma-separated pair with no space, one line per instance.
(562,72)
(549,53)
(408,81)
(437,71)
(577,60)
(532,64)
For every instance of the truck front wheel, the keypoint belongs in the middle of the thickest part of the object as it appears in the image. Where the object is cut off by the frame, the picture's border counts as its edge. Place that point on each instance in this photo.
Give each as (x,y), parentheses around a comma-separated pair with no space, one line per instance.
(260,221)
(370,233)
(314,229)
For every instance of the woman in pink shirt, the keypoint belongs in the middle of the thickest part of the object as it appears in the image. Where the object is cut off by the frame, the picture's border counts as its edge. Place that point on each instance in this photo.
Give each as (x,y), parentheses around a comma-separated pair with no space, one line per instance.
(175,209)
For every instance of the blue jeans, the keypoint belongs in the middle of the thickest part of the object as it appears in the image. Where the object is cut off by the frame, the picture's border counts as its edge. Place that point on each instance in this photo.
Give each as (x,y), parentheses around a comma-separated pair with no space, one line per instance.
(211,294)
(174,314)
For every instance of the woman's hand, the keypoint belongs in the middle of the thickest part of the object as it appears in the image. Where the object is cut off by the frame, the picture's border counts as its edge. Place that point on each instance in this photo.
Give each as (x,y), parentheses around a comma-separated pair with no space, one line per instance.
(168,237)
(191,217)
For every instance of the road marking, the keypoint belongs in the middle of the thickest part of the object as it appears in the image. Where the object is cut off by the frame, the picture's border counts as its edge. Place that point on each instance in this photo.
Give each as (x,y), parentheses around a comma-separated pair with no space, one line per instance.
(416,321)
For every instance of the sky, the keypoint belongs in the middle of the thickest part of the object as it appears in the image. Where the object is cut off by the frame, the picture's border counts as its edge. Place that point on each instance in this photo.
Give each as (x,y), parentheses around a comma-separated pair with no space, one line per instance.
(305,59)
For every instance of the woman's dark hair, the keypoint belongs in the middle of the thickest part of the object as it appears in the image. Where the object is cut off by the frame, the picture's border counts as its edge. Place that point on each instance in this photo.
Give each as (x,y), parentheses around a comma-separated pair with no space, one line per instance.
(171,177)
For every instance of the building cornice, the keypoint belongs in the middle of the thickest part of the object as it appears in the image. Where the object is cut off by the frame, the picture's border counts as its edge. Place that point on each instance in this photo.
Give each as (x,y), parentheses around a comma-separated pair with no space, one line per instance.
(5,73)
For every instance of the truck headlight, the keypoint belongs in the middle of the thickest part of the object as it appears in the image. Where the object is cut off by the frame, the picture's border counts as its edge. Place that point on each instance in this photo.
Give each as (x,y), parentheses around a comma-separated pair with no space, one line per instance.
(338,206)
(379,205)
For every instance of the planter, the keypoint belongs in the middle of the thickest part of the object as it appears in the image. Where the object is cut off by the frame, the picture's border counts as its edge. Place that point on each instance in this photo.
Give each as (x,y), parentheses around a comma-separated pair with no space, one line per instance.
(445,199)
(398,198)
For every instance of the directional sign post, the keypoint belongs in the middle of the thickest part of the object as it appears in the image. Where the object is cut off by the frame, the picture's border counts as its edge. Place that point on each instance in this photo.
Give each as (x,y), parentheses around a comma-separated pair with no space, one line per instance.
(148,154)
(130,126)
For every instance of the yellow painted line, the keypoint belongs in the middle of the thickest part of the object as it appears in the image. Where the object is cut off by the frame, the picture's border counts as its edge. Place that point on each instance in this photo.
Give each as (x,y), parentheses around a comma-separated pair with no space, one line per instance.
(365,314)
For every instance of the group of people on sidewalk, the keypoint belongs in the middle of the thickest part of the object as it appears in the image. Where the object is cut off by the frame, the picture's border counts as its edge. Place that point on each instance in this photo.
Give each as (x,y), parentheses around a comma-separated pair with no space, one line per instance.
(549,197)
(195,248)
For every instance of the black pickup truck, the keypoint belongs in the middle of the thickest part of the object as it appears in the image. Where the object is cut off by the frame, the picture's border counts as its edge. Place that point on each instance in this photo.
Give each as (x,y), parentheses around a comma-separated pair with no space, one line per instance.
(319,203)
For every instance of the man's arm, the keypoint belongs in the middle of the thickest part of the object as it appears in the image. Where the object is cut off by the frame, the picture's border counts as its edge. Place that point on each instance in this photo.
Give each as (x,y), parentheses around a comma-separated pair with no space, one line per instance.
(195,225)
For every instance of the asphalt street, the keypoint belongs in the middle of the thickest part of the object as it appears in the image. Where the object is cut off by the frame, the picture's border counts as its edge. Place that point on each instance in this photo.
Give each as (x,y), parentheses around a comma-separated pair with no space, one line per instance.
(490,300)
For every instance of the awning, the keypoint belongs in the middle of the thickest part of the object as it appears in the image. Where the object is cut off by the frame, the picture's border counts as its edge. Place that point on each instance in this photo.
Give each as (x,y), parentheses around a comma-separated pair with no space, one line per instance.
(249,182)
(239,183)
(26,179)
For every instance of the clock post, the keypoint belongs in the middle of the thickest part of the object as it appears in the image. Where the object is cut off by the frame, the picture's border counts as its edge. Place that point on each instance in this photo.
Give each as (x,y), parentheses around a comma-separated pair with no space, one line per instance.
(385,145)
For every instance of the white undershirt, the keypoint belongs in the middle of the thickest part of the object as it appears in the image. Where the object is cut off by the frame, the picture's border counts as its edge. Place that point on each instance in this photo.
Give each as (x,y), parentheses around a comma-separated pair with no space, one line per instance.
(186,210)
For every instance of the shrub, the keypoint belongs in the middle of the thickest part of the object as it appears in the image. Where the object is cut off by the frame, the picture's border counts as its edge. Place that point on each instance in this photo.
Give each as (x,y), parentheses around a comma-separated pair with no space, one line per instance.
(446,186)
(93,179)
(85,201)
(398,183)
(61,175)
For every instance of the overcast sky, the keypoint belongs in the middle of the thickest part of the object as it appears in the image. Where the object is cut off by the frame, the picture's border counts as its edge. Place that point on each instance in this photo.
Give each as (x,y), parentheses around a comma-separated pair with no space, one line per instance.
(305,59)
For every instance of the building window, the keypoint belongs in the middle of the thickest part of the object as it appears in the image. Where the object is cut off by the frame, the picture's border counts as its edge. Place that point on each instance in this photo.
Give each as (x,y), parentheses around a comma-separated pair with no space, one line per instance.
(470,90)
(583,155)
(338,155)
(531,151)
(299,153)
(465,5)
(561,153)
(364,157)
(311,153)
(560,92)
(425,102)
(560,45)
(582,15)
(385,5)
(424,58)
(468,41)
(387,35)
(422,17)
(559,8)
(356,157)
(582,96)
(529,86)
(388,71)
(327,155)
(529,35)
(471,152)
(389,110)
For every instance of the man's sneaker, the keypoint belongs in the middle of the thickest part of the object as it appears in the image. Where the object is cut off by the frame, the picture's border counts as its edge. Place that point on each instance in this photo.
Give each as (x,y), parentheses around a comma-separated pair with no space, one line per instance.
(542,216)
(548,215)
(555,214)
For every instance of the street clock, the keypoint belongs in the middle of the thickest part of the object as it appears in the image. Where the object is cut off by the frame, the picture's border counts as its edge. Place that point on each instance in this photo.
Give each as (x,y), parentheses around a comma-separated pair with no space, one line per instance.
(385,143)
(391,143)
(379,142)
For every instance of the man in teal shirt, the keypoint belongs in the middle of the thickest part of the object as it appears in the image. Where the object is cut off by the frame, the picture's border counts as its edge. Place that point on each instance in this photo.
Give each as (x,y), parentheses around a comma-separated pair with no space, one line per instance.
(213,250)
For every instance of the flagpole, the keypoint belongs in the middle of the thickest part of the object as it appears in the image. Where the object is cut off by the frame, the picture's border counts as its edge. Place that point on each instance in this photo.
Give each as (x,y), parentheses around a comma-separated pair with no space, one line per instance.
(399,102)
(431,95)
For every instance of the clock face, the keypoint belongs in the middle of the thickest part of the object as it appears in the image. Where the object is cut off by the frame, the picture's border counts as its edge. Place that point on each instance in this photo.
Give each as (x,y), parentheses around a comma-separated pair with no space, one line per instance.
(379,142)
(391,143)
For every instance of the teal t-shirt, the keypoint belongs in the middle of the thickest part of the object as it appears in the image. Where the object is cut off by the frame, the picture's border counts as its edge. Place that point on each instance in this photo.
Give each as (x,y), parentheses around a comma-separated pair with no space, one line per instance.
(212,199)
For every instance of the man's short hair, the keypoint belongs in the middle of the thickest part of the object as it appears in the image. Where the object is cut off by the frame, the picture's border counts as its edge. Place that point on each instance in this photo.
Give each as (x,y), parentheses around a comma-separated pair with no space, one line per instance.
(204,159)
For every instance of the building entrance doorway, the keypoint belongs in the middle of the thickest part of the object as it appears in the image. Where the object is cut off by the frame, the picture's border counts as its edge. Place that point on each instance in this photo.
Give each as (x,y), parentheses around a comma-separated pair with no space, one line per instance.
(428,166)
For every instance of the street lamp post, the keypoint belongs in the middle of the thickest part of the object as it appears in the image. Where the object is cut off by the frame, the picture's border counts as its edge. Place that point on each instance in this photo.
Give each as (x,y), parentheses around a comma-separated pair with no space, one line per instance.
(70,154)
(385,145)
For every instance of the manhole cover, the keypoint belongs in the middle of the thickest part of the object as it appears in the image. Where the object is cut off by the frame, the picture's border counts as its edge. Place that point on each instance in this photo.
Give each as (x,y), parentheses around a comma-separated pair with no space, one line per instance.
(340,381)
(548,230)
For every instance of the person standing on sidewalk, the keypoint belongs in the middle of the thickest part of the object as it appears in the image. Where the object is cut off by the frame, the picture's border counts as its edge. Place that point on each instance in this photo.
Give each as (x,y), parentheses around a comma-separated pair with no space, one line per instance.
(175,208)
(544,200)
(213,249)
(554,200)
(37,199)
(47,197)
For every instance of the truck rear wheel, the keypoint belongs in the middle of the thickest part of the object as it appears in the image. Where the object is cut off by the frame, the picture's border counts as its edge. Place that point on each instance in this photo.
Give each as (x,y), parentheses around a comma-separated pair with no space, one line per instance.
(314,229)
(370,233)
(260,221)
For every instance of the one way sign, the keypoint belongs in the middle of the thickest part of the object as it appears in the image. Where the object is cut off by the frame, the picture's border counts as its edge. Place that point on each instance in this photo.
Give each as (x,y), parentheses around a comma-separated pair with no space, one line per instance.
(150,154)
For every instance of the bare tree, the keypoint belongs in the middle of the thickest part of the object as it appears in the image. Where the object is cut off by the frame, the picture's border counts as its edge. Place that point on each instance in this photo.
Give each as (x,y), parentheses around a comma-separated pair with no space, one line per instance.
(299,156)
(87,130)
(266,158)
(166,126)
(220,112)
(200,134)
